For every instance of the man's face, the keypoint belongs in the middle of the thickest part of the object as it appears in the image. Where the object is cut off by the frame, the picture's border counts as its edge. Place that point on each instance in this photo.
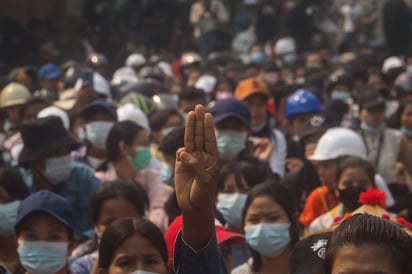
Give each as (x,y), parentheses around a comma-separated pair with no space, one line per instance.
(50,84)
(373,117)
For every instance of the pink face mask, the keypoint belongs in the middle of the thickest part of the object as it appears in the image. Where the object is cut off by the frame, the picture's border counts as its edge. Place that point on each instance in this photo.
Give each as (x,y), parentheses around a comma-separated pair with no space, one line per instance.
(223,95)
(271,78)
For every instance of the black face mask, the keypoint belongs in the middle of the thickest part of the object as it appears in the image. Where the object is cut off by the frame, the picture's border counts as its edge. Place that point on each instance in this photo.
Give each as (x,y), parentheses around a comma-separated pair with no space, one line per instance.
(350,196)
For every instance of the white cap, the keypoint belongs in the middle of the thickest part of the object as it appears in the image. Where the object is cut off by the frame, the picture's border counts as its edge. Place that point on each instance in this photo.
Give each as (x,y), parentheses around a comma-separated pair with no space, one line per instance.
(124,75)
(55,111)
(206,83)
(166,68)
(129,112)
(100,85)
(285,46)
(392,62)
(135,60)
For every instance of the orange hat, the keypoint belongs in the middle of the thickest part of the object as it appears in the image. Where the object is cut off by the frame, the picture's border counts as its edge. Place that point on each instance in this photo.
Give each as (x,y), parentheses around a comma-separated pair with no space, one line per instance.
(249,87)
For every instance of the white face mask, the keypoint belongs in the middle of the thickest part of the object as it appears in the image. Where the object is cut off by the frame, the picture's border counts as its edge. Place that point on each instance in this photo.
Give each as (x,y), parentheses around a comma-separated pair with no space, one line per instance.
(230,143)
(97,132)
(8,214)
(231,205)
(58,169)
(142,272)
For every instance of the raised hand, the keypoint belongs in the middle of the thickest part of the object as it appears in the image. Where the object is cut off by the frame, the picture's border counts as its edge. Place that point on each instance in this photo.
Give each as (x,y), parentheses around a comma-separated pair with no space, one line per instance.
(197,167)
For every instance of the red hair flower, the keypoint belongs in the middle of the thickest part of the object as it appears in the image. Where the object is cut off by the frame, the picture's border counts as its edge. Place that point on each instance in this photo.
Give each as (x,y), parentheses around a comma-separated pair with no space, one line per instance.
(373,197)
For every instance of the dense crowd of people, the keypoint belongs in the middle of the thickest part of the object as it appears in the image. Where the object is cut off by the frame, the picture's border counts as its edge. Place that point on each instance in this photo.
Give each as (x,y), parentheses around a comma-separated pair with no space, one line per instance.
(206,137)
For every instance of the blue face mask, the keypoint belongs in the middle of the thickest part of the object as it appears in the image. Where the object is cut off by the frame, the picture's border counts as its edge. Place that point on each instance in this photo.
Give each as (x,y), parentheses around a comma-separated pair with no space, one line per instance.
(8,214)
(231,207)
(340,95)
(58,169)
(39,257)
(142,158)
(406,131)
(230,143)
(257,57)
(367,128)
(165,172)
(268,239)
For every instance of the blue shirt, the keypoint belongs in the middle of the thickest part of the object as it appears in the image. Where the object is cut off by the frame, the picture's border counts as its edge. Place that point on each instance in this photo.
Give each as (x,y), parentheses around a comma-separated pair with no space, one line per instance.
(203,261)
(79,189)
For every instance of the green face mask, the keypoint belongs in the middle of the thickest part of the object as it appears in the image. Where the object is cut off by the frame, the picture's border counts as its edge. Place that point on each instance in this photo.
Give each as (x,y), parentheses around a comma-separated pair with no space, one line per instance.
(142,158)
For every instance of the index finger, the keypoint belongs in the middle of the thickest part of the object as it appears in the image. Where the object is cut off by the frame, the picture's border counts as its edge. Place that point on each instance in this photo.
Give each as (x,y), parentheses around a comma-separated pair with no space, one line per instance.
(199,128)
(210,136)
(189,139)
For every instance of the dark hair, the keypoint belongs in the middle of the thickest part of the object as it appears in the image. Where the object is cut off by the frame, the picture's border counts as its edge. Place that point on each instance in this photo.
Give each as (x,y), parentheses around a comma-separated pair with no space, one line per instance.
(120,230)
(281,195)
(132,192)
(191,94)
(172,141)
(250,168)
(13,183)
(363,229)
(123,131)
(395,119)
(355,162)
(159,118)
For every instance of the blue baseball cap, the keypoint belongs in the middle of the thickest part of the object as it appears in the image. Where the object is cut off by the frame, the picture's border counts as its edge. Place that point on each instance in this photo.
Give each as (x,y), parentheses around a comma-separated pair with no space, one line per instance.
(231,107)
(49,71)
(46,202)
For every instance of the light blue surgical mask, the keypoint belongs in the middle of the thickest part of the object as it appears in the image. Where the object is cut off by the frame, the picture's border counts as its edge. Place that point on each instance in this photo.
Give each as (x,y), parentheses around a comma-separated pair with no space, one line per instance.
(367,128)
(259,127)
(340,95)
(167,130)
(257,57)
(58,169)
(40,257)
(8,214)
(268,239)
(406,131)
(165,172)
(230,143)
(231,205)
(290,59)
(142,158)
(97,132)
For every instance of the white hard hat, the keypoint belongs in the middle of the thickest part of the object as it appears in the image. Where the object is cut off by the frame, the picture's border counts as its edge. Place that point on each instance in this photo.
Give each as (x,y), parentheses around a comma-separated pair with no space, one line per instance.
(100,85)
(135,60)
(392,62)
(124,75)
(337,142)
(129,112)
(206,83)
(55,111)
(285,46)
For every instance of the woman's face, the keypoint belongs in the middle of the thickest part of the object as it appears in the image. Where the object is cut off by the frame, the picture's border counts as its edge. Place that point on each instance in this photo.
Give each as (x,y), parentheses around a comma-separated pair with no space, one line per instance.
(364,259)
(137,253)
(114,209)
(406,117)
(354,177)
(230,186)
(265,210)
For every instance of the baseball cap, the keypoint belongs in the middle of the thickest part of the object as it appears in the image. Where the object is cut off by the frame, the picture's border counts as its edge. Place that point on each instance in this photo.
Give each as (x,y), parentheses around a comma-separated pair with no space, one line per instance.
(231,107)
(370,99)
(392,63)
(47,202)
(49,71)
(135,60)
(100,85)
(249,87)
(100,104)
(222,235)
(308,255)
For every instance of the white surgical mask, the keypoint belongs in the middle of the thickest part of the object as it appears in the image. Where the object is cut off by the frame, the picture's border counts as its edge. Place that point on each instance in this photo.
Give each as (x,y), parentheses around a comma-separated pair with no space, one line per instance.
(58,169)
(97,132)
(230,143)
(231,205)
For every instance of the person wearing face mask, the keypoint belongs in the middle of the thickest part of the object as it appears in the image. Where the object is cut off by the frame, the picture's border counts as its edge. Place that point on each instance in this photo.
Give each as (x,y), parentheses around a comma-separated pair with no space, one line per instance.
(385,147)
(112,201)
(271,228)
(234,182)
(232,125)
(13,190)
(256,54)
(269,144)
(47,165)
(353,176)
(45,233)
(128,153)
(99,116)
